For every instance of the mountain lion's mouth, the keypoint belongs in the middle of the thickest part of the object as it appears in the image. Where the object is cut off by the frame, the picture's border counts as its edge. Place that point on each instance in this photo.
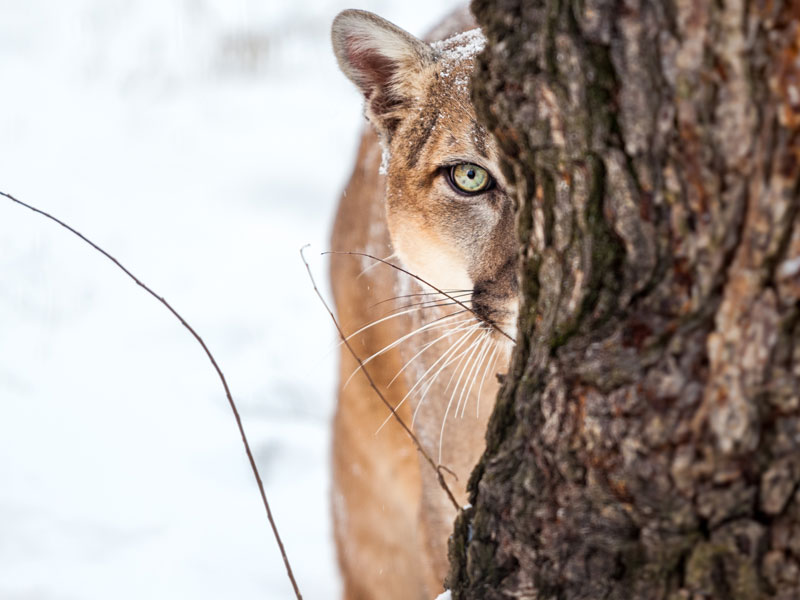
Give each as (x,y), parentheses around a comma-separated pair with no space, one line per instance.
(497,311)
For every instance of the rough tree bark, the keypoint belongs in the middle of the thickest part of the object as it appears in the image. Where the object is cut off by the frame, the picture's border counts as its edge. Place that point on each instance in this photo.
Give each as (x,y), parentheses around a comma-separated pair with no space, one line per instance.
(646,443)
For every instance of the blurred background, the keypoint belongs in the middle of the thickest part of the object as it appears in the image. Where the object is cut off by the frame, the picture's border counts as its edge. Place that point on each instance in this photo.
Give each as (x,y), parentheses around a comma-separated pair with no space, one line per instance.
(201,142)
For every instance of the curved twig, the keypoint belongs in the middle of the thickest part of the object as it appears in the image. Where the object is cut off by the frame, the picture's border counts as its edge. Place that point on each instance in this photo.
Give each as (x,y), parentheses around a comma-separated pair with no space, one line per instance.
(437,468)
(232,404)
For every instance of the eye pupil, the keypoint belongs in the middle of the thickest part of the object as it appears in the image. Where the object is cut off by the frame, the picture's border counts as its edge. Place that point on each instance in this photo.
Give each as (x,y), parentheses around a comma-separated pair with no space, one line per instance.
(469,178)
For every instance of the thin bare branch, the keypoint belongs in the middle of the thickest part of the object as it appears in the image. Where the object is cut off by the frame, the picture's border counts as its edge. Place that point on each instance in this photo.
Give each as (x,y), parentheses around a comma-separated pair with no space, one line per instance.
(437,468)
(210,356)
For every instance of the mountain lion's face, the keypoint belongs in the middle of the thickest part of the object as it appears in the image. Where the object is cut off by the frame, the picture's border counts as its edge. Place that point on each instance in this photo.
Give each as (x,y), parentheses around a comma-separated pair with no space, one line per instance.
(450,218)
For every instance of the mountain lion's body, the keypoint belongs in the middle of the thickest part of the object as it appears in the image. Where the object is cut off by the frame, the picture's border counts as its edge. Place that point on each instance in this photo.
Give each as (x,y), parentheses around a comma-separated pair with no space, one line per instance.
(440,212)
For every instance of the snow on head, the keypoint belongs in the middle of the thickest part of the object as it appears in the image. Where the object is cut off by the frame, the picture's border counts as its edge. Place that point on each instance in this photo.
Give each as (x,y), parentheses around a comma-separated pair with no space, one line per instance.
(461,46)
(457,49)
(385,157)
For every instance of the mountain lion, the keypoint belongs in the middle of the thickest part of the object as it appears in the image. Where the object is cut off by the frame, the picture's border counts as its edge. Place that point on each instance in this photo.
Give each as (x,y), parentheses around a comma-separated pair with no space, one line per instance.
(427,195)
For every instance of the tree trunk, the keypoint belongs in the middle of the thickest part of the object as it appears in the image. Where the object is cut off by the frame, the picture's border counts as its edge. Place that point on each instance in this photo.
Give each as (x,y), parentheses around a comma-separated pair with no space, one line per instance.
(646,443)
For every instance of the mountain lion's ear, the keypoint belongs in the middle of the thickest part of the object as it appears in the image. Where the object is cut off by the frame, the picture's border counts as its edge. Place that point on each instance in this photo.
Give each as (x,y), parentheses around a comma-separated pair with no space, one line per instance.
(382,60)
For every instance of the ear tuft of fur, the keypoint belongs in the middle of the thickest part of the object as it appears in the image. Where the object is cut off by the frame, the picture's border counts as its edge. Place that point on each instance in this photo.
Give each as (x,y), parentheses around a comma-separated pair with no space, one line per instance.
(377,56)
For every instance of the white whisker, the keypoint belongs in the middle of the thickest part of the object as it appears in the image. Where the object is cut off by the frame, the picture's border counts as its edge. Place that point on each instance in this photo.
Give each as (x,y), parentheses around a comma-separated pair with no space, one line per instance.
(455,371)
(375,264)
(437,302)
(442,296)
(471,362)
(476,368)
(493,362)
(435,376)
(459,369)
(378,322)
(435,324)
(452,348)
(460,327)
(374,323)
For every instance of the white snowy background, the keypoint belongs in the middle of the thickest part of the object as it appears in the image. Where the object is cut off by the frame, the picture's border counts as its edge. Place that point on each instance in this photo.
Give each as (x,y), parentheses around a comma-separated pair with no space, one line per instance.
(202,142)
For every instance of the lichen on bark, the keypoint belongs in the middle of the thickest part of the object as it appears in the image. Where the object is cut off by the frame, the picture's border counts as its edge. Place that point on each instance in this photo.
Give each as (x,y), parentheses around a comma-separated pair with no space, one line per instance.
(645,443)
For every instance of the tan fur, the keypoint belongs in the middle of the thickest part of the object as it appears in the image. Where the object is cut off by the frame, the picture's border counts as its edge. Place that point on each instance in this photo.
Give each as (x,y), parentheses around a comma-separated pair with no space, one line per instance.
(391,518)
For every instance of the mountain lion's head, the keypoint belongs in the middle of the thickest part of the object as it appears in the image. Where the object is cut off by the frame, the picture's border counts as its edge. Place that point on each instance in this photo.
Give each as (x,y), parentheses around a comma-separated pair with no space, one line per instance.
(449,215)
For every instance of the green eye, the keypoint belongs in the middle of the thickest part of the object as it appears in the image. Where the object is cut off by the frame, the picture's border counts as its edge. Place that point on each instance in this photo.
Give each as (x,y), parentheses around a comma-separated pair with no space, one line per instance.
(469,178)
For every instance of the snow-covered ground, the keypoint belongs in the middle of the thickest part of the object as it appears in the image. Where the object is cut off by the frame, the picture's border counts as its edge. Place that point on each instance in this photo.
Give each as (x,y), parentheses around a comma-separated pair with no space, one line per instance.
(202,142)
